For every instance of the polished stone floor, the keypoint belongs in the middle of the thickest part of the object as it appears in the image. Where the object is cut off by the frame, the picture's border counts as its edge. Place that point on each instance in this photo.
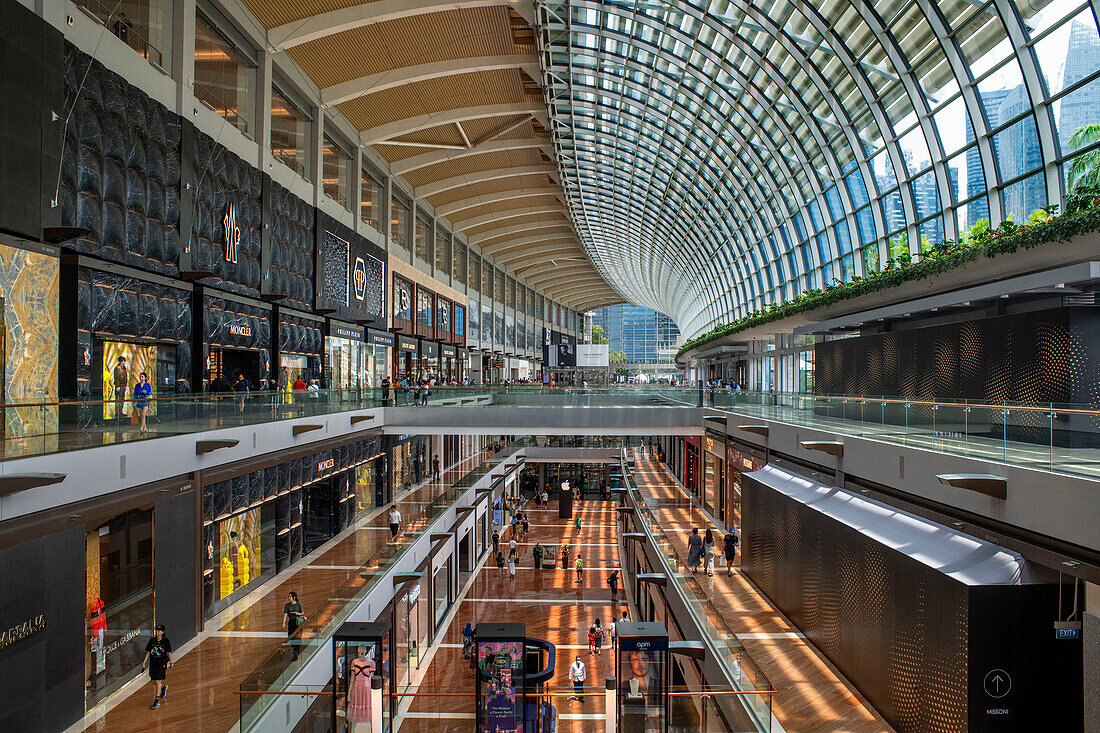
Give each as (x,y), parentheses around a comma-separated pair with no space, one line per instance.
(551,603)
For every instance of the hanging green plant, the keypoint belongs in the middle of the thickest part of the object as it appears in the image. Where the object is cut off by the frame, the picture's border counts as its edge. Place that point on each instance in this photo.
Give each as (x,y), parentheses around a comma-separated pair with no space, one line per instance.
(1082,216)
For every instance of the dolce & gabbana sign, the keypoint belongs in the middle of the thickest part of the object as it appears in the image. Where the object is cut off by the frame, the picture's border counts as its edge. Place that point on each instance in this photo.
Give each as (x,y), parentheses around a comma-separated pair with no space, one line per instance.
(22,631)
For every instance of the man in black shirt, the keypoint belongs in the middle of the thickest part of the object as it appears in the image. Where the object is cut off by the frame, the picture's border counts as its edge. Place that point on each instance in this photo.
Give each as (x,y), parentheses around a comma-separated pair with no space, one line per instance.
(158,657)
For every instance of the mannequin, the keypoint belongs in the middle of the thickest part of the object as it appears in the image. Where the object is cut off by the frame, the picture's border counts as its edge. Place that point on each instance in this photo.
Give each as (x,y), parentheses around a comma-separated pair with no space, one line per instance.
(361,670)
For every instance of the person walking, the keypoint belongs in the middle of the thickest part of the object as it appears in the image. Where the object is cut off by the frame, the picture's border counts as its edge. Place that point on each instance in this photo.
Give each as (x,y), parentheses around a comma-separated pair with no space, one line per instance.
(425,392)
(242,387)
(526,524)
(496,541)
(395,521)
(500,562)
(512,567)
(512,545)
(599,637)
(708,551)
(613,583)
(729,549)
(142,391)
(435,468)
(577,675)
(591,640)
(293,618)
(695,549)
(580,568)
(385,390)
(158,658)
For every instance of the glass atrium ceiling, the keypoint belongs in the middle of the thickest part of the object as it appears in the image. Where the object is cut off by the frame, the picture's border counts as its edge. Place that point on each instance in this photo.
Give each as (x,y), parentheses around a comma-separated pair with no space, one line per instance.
(719,156)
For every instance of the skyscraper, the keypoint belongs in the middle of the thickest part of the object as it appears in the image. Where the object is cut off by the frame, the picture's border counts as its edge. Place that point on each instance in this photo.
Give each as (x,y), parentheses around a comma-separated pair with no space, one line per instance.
(643,334)
(975,178)
(1078,108)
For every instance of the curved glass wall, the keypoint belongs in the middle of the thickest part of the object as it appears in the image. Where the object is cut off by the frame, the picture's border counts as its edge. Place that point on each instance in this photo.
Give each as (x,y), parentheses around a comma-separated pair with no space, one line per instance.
(722,155)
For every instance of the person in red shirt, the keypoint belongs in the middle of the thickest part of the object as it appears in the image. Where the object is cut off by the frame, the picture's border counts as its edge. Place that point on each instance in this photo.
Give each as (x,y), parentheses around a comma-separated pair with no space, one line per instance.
(299,384)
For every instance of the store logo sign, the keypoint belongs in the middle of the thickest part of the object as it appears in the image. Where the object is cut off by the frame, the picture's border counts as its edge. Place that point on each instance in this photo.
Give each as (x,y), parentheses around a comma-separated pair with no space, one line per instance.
(239,329)
(22,631)
(403,299)
(326,465)
(445,317)
(232,234)
(359,279)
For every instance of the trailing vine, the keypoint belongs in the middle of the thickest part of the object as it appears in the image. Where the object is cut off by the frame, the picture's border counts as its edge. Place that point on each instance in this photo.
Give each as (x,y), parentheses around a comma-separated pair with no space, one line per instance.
(1045,226)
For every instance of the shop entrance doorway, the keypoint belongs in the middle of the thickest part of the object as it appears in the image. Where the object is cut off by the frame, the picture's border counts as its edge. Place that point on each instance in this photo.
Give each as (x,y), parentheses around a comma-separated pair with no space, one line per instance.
(226,364)
(320,513)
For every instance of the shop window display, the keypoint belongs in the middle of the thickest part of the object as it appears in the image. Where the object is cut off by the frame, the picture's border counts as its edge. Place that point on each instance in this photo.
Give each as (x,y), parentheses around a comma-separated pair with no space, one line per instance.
(122,363)
(118,600)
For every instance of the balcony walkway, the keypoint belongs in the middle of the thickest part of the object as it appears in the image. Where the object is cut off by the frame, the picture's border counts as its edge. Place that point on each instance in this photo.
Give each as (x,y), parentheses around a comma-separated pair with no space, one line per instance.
(208,669)
(811,695)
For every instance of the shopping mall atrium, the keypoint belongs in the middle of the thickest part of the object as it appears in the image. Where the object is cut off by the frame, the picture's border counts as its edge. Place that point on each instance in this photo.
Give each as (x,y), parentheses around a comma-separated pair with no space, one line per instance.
(550,366)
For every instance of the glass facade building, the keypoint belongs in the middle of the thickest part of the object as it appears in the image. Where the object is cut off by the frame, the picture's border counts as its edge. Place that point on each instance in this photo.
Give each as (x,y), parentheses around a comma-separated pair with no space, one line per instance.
(643,334)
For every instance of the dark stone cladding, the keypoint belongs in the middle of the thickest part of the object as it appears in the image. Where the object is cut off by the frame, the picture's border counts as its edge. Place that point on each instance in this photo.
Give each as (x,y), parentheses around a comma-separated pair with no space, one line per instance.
(120,170)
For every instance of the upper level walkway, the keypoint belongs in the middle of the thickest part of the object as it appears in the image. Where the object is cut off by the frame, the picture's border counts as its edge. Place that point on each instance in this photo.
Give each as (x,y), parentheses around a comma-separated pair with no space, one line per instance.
(329,582)
(811,695)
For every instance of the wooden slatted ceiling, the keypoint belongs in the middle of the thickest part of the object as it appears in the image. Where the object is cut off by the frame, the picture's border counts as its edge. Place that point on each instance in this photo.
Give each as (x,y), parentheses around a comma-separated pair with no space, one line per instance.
(531,219)
(272,13)
(490,187)
(503,86)
(511,206)
(472,164)
(457,34)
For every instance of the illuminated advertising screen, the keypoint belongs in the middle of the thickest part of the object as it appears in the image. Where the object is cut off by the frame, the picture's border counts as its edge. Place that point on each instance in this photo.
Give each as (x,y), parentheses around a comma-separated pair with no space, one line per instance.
(501,665)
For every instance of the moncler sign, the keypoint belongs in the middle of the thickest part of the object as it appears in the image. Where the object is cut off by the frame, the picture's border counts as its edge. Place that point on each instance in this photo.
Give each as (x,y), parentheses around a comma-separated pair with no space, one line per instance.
(359,279)
(232,234)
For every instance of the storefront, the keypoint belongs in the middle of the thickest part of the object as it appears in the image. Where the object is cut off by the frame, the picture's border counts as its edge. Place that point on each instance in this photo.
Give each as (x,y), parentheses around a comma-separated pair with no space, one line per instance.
(448,364)
(346,366)
(714,476)
(428,363)
(739,461)
(378,348)
(119,601)
(238,342)
(692,446)
(258,523)
(405,358)
(300,348)
(410,460)
(145,323)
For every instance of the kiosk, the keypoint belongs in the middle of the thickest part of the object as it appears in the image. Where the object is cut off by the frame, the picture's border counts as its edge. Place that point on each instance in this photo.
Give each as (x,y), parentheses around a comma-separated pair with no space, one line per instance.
(501,677)
(642,666)
(359,652)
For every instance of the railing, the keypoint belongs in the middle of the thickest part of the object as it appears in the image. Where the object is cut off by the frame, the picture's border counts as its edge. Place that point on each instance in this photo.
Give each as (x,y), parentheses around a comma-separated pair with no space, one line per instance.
(1050,436)
(746,675)
(41,428)
(1058,437)
(273,676)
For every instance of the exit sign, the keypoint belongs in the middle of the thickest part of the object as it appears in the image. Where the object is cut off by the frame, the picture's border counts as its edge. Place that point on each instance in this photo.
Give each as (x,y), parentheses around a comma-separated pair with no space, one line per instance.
(1067,630)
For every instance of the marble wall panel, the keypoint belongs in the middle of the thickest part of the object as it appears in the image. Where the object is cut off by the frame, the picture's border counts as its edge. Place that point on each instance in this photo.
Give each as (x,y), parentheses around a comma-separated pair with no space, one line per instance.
(29,285)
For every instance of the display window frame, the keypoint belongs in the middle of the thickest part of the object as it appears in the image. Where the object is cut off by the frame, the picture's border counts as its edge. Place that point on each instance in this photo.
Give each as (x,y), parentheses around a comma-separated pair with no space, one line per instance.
(106,350)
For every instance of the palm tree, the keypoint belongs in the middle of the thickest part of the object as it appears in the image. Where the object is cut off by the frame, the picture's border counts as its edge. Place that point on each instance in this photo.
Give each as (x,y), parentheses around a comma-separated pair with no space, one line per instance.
(1084,174)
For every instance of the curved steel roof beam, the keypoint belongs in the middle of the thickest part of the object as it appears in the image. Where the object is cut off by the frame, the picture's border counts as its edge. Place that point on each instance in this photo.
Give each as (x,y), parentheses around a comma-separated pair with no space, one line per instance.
(408,125)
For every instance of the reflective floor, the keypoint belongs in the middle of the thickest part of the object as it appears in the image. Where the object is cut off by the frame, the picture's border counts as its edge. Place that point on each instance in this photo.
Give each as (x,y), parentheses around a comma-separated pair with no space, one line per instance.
(552,604)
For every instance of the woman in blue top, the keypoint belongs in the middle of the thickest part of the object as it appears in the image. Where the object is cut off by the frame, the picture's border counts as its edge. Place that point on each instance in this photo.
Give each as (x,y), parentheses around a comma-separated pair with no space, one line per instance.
(142,391)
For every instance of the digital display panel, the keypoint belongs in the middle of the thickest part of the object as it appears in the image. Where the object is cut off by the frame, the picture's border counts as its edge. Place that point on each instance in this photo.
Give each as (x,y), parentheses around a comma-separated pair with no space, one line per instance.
(501,665)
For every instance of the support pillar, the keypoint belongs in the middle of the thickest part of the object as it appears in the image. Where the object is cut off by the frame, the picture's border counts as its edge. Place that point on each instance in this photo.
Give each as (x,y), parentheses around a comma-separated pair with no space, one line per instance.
(376,704)
(612,711)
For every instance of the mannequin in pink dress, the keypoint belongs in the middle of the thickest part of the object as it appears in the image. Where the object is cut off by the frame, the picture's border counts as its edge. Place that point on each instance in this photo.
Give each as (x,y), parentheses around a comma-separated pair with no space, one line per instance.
(359,676)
